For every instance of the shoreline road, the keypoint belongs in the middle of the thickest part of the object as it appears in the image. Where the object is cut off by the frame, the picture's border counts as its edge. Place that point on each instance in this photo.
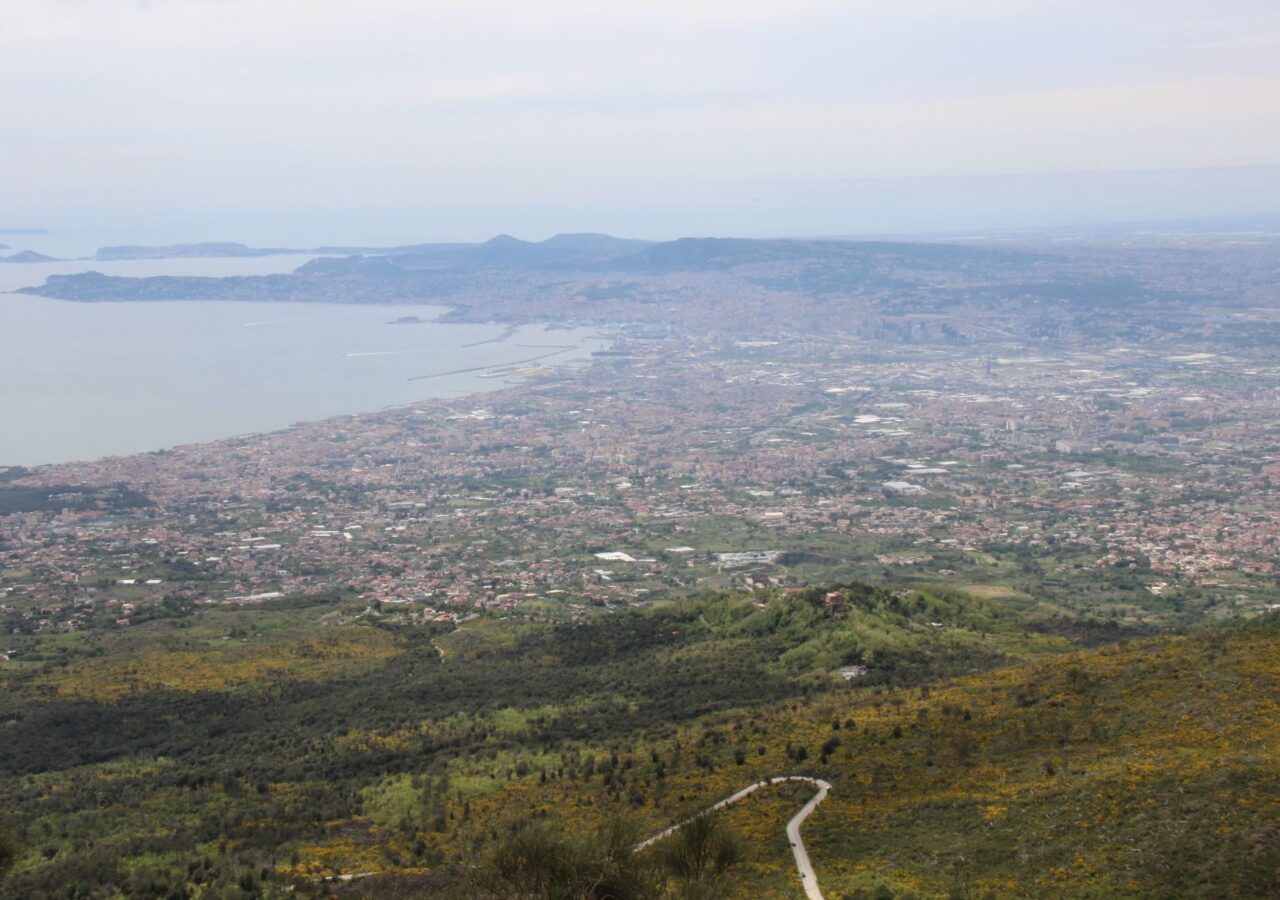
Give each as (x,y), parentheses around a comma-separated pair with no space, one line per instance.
(808,879)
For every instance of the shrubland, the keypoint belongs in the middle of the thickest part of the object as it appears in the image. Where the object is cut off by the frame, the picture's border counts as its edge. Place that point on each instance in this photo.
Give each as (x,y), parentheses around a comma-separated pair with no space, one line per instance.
(973,752)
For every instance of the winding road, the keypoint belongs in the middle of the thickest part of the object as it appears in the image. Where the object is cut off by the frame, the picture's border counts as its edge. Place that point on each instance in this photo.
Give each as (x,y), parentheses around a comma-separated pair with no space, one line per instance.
(807,877)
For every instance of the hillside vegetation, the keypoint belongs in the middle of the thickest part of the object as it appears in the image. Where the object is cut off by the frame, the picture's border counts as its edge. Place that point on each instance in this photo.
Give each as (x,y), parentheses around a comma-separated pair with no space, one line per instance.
(257,751)
(1142,769)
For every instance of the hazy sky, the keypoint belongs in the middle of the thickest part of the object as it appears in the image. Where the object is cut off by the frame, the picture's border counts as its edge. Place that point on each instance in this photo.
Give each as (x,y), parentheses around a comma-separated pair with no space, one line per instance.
(235,118)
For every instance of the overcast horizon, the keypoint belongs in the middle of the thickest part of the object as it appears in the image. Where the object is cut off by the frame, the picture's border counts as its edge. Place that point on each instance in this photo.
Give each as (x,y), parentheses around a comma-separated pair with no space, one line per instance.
(387,121)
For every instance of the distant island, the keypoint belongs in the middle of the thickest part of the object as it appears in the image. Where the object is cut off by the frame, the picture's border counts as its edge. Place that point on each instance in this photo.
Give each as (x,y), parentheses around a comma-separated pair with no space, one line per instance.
(169,251)
(27,256)
(409,320)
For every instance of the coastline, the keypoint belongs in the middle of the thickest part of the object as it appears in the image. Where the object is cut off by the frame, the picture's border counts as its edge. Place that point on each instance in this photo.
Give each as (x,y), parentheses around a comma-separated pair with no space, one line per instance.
(355,382)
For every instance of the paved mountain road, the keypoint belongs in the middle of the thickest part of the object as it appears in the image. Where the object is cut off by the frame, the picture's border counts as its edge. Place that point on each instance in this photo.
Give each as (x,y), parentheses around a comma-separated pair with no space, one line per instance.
(808,879)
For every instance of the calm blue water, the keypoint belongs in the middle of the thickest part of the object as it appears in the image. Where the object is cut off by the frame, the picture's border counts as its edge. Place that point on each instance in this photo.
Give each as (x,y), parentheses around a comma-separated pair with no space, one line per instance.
(82,381)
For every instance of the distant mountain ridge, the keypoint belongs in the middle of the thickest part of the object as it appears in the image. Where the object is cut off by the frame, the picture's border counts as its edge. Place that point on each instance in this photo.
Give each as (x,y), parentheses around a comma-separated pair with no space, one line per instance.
(583,249)
(559,246)
(886,290)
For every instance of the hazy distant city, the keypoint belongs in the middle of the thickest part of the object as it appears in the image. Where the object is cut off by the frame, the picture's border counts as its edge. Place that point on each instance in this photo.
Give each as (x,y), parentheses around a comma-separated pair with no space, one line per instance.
(1097,421)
